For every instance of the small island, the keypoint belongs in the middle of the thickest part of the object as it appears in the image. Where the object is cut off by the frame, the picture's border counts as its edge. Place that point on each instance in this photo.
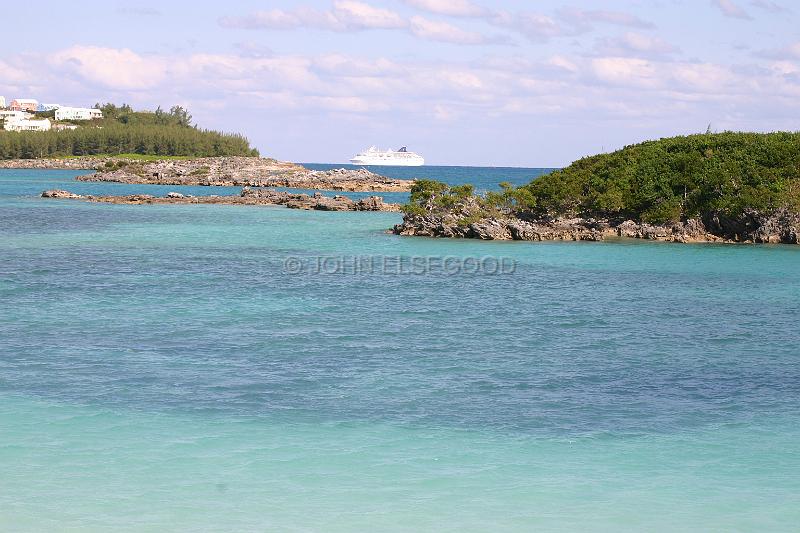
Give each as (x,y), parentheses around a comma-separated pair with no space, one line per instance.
(248,196)
(725,187)
(164,148)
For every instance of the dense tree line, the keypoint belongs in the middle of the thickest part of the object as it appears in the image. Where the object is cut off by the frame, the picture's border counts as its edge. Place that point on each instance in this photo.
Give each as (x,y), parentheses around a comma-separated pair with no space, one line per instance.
(123,130)
(656,181)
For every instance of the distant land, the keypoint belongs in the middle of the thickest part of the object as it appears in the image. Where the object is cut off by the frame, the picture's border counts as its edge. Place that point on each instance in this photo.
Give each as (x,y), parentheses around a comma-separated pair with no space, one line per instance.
(121,130)
(165,148)
(723,187)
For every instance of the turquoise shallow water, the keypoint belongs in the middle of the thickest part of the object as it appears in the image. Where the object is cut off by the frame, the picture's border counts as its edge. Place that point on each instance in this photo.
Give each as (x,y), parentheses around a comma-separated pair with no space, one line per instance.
(161,370)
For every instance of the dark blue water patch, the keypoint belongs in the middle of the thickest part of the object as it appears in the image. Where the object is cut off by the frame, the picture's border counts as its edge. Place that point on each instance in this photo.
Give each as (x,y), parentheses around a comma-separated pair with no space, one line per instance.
(483,178)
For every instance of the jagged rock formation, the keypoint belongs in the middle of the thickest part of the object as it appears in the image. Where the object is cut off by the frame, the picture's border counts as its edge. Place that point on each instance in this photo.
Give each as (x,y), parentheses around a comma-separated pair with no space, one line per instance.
(467,220)
(248,196)
(244,172)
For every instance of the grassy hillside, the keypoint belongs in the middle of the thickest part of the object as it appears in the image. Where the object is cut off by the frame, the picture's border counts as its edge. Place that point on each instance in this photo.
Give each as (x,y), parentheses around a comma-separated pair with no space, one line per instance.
(125,131)
(656,181)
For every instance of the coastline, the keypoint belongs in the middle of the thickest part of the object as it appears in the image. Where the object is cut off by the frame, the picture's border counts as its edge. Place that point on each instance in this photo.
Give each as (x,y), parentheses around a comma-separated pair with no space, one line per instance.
(781,227)
(229,171)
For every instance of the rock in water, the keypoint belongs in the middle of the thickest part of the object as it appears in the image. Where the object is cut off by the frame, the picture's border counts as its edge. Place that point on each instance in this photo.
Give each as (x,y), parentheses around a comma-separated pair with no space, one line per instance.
(248,196)
(55,193)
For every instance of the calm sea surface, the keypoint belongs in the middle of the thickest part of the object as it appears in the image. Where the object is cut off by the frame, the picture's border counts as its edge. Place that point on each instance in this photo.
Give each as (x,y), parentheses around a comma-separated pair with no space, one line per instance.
(162,369)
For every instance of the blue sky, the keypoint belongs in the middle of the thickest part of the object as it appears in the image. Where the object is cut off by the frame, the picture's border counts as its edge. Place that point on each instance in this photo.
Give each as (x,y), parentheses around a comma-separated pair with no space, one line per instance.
(460,81)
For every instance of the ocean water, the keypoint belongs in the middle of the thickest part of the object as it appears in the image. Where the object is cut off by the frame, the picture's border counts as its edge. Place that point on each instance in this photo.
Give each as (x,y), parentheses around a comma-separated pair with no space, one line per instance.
(483,178)
(168,368)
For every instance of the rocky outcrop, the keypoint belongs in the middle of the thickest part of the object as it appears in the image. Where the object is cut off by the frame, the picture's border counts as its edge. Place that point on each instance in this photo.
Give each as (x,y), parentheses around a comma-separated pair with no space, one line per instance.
(248,196)
(779,227)
(691,231)
(244,172)
(316,201)
(55,193)
(67,163)
(502,229)
(232,171)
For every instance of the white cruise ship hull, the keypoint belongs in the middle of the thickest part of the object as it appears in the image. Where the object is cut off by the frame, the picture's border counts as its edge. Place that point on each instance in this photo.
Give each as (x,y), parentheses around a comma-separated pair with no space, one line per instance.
(388,161)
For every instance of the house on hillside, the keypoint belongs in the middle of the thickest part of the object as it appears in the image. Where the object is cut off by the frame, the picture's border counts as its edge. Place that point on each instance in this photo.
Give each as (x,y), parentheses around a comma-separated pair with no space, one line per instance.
(26,124)
(24,104)
(47,107)
(14,115)
(77,113)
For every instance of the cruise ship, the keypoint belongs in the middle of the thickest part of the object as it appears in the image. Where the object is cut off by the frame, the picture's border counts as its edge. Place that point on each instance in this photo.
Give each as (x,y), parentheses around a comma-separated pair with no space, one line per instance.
(400,158)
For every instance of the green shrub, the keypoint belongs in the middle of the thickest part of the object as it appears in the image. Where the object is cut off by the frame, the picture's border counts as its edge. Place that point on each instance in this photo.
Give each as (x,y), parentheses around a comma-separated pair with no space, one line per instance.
(655,181)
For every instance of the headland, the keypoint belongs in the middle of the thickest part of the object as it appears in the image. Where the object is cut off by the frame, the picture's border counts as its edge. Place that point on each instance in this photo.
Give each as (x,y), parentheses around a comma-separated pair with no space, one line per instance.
(727,187)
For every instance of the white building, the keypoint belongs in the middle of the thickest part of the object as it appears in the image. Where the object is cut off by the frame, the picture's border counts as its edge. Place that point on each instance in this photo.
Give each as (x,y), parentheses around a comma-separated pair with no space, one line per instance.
(77,113)
(27,125)
(14,115)
(2,102)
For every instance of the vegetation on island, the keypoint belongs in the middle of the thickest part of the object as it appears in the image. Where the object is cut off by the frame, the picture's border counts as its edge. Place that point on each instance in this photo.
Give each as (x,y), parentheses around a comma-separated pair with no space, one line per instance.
(125,131)
(667,180)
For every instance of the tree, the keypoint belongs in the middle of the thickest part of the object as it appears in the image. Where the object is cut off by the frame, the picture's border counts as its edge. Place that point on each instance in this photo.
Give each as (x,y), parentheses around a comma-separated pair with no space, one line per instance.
(181,115)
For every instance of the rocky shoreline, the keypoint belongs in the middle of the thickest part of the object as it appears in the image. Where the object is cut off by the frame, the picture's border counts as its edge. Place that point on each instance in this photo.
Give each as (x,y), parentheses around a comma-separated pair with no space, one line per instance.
(780,227)
(248,196)
(230,171)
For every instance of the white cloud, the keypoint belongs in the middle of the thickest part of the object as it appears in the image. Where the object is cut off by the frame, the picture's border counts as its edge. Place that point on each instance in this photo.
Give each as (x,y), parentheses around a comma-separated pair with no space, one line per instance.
(351,15)
(345,15)
(789,52)
(355,15)
(346,83)
(635,44)
(13,75)
(539,27)
(444,113)
(630,72)
(111,67)
(361,15)
(442,31)
(453,8)
(731,9)
(564,63)
(535,26)
(769,5)
(589,18)
(335,89)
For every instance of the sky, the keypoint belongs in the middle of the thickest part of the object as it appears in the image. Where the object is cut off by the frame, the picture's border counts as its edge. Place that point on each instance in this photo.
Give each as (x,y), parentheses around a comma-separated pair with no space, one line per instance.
(462,82)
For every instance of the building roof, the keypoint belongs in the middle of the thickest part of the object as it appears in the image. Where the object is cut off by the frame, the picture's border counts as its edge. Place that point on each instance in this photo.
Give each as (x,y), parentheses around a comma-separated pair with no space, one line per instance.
(26,101)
